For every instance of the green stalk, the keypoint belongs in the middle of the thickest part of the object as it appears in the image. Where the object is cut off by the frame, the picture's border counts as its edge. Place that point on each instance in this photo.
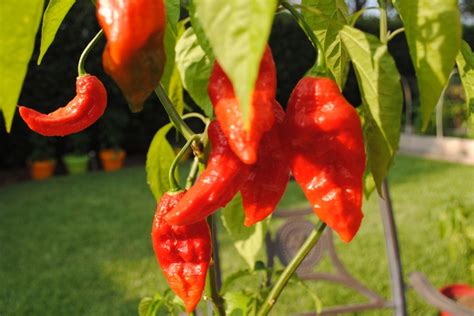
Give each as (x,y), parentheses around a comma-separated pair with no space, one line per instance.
(359,13)
(82,60)
(174,185)
(321,68)
(212,290)
(204,119)
(178,122)
(395,33)
(383,28)
(310,242)
(192,173)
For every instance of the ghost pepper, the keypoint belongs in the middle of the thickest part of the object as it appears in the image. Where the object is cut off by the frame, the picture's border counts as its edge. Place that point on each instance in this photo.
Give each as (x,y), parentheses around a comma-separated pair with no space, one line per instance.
(244,140)
(269,176)
(134,55)
(217,184)
(81,112)
(325,147)
(183,252)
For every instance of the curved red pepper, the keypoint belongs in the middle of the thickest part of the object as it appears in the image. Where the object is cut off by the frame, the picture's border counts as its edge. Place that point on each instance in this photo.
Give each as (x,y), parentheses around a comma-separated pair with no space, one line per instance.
(134,55)
(216,186)
(81,112)
(244,142)
(325,145)
(269,176)
(183,252)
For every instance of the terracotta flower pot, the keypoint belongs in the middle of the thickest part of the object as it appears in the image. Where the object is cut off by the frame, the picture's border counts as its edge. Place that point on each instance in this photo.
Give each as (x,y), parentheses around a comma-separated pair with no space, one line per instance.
(42,169)
(76,164)
(461,293)
(112,159)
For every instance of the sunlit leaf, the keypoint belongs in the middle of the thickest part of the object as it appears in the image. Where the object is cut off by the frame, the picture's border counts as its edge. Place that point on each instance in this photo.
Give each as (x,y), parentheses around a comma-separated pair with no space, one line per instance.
(433,32)
(247,240)
(158,161)
(171,35)
(331,17)
(52,19)
(465,62)
(379,83)
(20,20)
(195,69)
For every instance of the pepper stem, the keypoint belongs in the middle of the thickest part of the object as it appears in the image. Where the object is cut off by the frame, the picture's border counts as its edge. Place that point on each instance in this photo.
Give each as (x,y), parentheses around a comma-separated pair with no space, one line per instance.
(192,173)
(82,60)
(212,288)
(280,284)
(321,68)
(178,122)
(174,185)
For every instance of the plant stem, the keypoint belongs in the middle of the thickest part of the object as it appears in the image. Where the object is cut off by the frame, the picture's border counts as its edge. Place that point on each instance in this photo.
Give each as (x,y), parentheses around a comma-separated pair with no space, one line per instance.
(178,122)
(321,60)
(359,13)
(174,185)
(203,119)
(82,60)
(383,28)
(192,173)
(212,287)
(280,284)
(395,33)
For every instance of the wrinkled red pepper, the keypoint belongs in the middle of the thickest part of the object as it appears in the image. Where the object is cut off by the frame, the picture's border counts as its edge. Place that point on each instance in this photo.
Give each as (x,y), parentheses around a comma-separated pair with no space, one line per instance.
(183,252)
(134,55)
(81,112)
(216,186)
(269,175)
(325,146)
(244,142)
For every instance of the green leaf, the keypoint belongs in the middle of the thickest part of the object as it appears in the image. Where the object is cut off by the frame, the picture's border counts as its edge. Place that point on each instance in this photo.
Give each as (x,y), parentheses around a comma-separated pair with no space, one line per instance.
(326,26)
(237,304)
(433,31)
(238,31)
(379,83)
(171,35)
(20,21)
(144,306)
(309,291)
(465,62)
(52,19)
(199,31)
(233,277)
(195,69)
(158,161)
(152,306)
(175,90)
(369,182)
(247,240)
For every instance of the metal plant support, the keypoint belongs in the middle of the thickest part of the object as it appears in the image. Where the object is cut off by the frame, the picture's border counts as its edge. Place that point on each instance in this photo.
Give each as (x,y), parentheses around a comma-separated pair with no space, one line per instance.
(294,231)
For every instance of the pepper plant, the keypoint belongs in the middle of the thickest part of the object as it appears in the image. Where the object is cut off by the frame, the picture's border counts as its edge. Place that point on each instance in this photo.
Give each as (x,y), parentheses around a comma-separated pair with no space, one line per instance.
(250,145)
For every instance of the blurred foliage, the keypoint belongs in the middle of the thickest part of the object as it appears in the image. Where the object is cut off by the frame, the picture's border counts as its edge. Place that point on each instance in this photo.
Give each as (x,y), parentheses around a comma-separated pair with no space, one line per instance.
(456,225)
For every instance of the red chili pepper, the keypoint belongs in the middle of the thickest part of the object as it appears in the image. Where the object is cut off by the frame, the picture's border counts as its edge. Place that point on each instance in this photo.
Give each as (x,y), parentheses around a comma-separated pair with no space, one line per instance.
(269,176)
(81,112)
(325,145)
(134,55)
(183,252)
(244,142)
(216,186)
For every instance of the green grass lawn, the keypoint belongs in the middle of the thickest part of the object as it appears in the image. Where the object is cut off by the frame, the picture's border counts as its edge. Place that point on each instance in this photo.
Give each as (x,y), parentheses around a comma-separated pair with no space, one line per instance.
(80,245)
